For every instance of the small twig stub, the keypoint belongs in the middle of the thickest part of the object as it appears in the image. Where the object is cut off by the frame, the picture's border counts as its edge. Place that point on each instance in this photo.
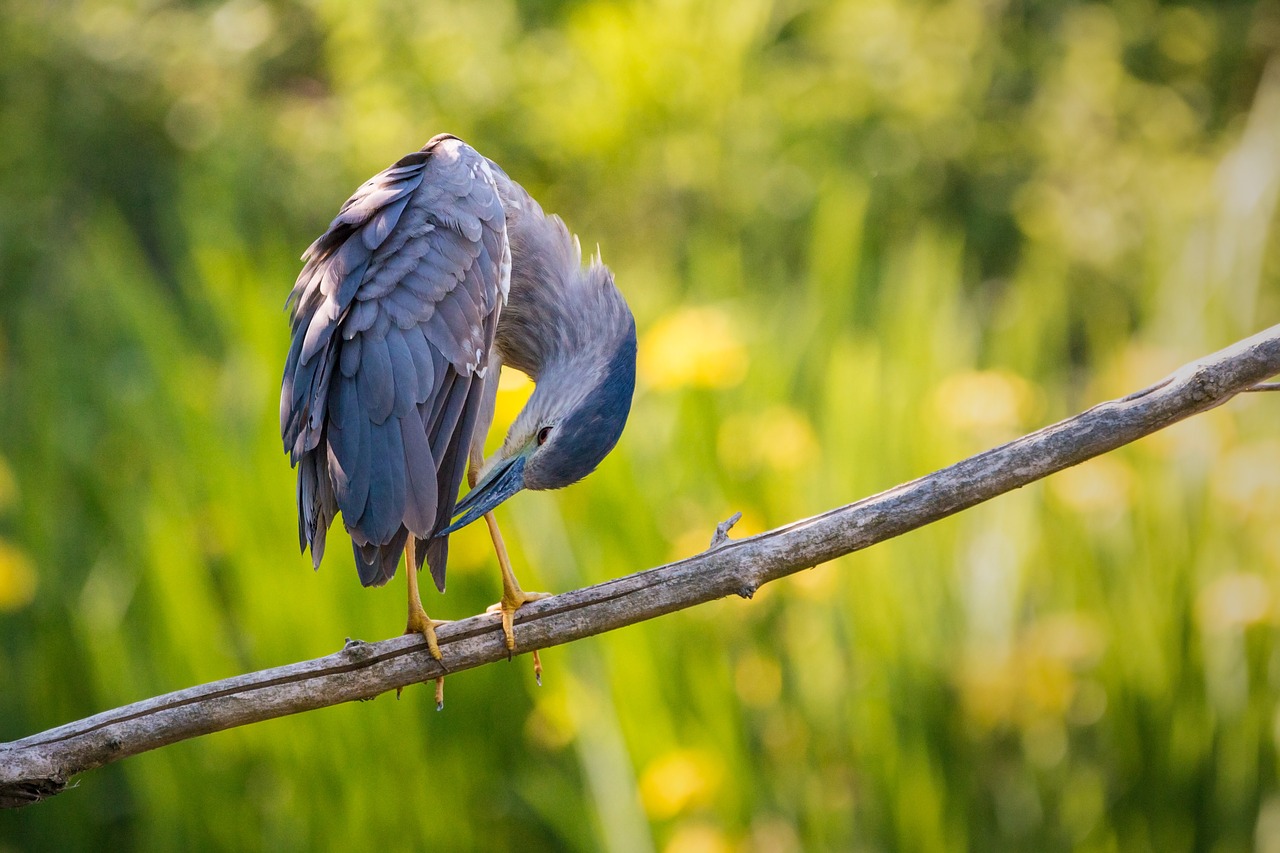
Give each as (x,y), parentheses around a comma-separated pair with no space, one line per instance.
(721,536)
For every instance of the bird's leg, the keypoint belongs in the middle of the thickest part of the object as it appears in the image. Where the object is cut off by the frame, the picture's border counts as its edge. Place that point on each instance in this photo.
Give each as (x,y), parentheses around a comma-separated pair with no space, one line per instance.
(419,622)
(513,597)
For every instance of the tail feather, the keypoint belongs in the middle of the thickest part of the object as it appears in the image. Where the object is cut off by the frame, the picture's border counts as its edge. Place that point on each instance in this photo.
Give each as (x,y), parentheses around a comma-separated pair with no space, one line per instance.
(377,564)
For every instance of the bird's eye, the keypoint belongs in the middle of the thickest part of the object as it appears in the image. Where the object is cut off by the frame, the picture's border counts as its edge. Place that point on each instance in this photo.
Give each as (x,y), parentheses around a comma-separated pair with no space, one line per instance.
(543,435)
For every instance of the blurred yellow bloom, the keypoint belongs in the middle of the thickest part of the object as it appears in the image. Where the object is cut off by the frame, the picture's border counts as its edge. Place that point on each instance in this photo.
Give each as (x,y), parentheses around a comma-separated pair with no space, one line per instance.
(1246,479)
(1232,601)
(1201,439)
(1073,639)
(242,25)
(758,680)
(1041,679)
(1048,686)
(698,838)
(471,551)
(1104,484)
(984,399)
(680,779)
(1089,703)
(551,725)
(778,438)
(772,834)
(988,689)
(693,347)
(17,578)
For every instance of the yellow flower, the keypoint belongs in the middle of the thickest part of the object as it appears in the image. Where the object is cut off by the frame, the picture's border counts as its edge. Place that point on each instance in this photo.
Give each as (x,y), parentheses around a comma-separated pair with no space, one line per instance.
(17,578)
(693,347)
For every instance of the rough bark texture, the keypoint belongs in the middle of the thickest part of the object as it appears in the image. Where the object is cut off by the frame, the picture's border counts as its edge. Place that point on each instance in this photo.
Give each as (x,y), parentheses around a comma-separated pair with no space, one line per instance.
(39,766)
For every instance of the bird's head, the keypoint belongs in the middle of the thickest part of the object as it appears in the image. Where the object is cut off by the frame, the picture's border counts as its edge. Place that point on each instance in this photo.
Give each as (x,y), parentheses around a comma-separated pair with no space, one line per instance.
(573,419)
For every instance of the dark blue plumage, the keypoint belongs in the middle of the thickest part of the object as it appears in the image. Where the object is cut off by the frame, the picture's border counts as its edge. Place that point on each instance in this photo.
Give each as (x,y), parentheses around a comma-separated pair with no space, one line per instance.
(436,273)
(592,429)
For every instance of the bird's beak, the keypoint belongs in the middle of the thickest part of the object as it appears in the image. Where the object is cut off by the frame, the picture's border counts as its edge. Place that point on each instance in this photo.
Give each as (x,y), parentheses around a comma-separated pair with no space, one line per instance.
(503,480)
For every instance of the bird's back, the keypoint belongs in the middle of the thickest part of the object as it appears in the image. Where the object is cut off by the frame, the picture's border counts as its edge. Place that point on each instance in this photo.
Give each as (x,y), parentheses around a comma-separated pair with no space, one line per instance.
(393,318)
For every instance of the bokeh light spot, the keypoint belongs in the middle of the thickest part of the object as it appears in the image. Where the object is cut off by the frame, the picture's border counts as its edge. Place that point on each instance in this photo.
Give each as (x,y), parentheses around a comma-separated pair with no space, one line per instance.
(693,347)
(17,578)
(1233,601)
(1104,484)
(985,399)
(678,780)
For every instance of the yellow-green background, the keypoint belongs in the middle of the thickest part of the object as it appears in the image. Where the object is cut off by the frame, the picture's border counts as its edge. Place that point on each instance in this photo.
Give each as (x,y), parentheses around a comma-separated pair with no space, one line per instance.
(861,240)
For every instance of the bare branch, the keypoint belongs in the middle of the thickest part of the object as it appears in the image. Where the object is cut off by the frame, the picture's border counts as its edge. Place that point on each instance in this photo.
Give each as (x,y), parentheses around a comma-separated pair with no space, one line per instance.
(39,766)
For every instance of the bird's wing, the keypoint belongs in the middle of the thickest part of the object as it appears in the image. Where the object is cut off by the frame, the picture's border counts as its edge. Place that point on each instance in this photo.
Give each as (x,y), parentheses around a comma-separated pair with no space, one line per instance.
(394,315)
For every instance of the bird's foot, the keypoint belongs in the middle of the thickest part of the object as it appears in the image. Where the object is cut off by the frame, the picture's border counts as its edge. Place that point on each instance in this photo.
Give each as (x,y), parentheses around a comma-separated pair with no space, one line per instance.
(439,693)
(511,602)
(420,623)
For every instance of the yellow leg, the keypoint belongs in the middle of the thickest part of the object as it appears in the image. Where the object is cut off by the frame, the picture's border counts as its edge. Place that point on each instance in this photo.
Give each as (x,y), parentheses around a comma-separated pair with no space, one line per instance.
(419,622)
(513,597)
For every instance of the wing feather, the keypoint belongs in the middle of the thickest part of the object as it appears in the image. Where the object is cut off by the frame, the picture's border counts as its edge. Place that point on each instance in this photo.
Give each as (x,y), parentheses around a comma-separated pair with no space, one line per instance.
(405,308)
(376,381)
(350,356)
(423,363)
(385,509)
(392,314)
(405,374)
(421,481)
(382,223)
(360,317)
(349,449)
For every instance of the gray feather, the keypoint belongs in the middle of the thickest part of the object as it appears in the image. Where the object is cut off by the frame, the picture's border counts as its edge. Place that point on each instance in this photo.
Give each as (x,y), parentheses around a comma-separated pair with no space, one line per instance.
(376,384)
(451,330)
(437,556)
(453,462)
(387,313)
(382,223)
(349,449)
(381,323)
(404,307)
(385,509)
(455,248)
(360,318)
(420,469)
(428,285)
(420,352)
(376,564)
(349,356)
(389,269)
(404,374)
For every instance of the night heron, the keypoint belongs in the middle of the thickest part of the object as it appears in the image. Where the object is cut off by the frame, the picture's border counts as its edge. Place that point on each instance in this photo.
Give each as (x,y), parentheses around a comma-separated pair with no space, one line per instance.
(435,274)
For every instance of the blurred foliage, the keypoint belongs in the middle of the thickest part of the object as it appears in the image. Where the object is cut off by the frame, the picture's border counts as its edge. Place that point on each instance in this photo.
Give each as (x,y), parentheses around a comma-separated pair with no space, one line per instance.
(862,239)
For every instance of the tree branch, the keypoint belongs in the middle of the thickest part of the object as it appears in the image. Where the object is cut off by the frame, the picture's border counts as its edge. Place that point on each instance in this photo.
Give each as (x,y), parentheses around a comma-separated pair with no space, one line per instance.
(39,766)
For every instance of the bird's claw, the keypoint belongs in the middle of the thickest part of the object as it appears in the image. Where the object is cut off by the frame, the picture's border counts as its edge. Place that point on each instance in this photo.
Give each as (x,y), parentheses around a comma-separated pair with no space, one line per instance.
(507,607)
(419,623)
(509,637)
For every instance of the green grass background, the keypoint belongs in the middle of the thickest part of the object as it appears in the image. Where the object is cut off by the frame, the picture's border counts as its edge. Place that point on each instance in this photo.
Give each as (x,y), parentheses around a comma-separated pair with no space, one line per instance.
(862,239)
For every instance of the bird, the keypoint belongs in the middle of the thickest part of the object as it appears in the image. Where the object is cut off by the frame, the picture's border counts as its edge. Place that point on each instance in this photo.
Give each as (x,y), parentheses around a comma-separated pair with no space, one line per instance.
(436,274)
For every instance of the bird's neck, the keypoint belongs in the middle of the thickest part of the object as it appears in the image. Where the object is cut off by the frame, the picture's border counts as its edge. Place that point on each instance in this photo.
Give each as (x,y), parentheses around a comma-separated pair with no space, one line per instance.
(558,311)
(560,318)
